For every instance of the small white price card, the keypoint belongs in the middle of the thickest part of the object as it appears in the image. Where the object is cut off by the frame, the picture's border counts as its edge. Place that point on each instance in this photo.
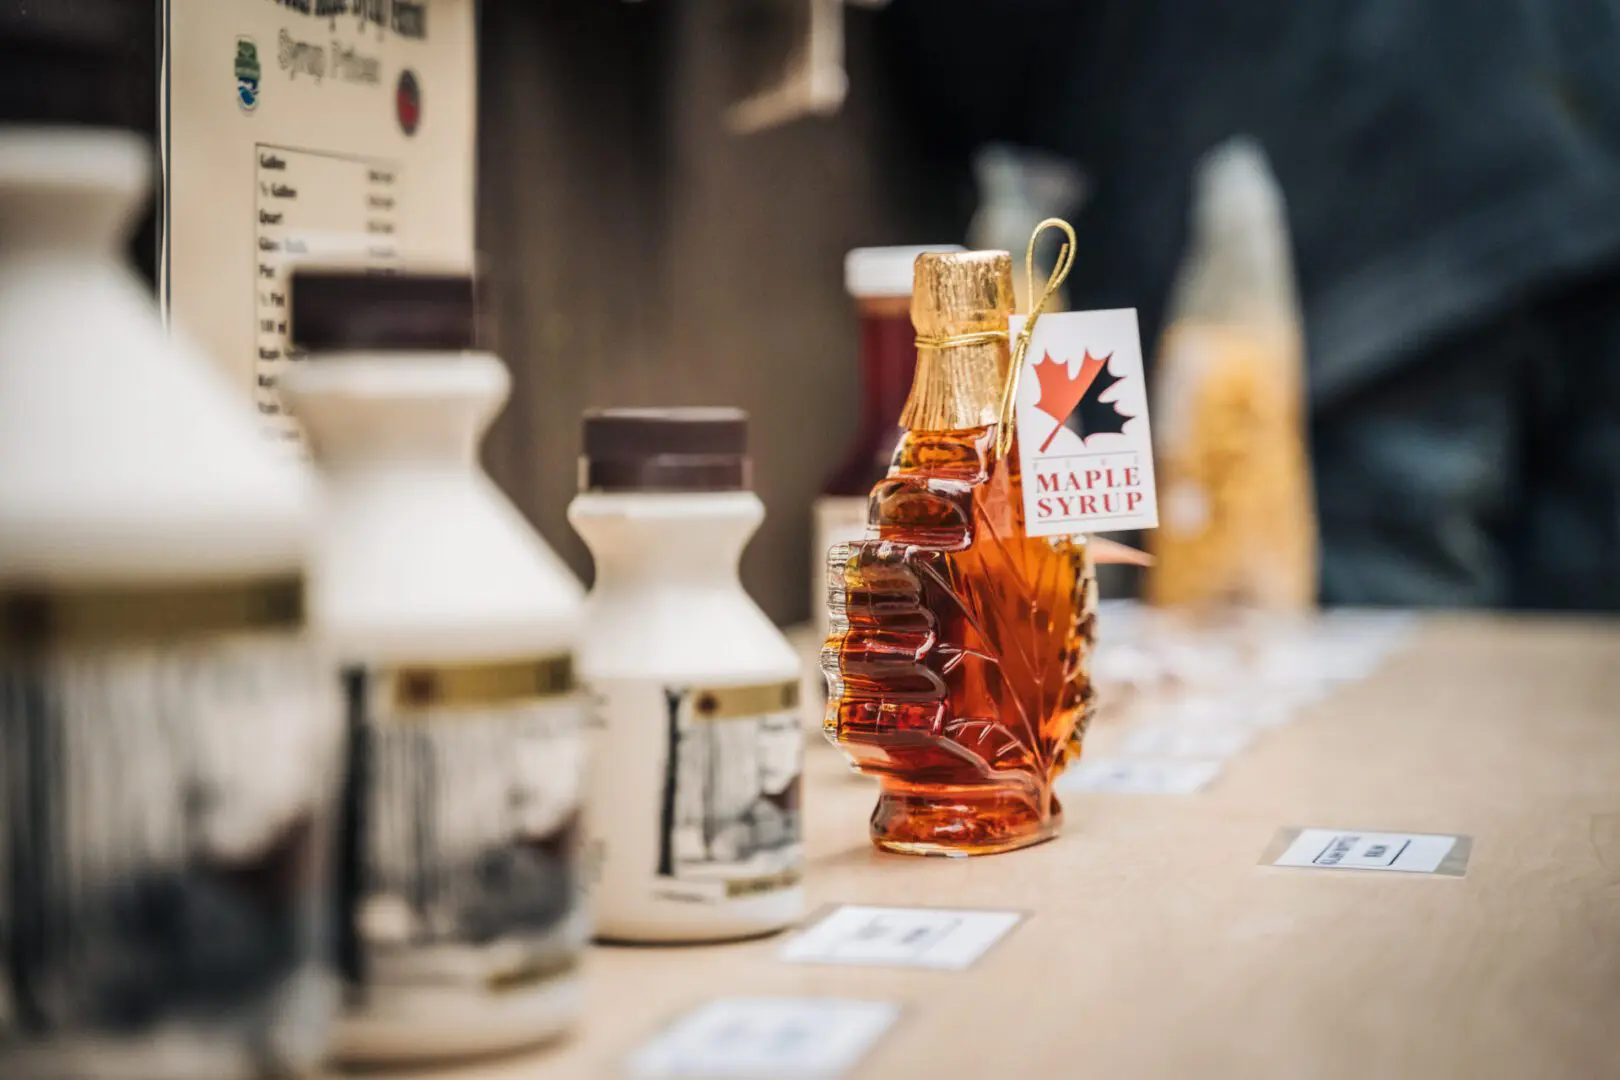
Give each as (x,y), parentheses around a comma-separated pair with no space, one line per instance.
(1082,417)
(1345,849)
(754,1037)
(1139,776)
(941,938)
(1179,741)
(1227,711)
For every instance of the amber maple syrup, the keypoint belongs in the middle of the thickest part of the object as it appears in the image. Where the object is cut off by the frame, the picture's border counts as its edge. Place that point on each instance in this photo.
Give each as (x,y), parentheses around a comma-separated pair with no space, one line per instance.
(958,661)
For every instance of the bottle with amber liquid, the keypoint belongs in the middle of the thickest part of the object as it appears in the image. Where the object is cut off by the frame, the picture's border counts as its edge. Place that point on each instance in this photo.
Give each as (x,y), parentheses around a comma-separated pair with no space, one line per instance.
(957,663)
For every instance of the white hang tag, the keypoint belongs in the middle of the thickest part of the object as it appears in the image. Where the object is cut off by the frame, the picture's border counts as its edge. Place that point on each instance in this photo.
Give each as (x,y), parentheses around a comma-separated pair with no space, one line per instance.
(749,1037)
(1084,368)
(941,938)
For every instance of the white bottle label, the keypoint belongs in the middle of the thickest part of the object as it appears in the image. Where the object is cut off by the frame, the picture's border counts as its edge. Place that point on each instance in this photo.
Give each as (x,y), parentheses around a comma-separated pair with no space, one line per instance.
(162,810)
(462,828)
(696,790)
(839,519)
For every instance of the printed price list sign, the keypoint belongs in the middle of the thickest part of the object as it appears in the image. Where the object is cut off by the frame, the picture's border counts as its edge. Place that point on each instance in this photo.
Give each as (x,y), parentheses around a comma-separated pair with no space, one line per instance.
(311,207)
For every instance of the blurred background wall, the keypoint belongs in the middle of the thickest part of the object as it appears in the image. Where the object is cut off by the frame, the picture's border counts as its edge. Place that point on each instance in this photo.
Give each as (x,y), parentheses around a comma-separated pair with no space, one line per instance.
(1453,204)
(641,254)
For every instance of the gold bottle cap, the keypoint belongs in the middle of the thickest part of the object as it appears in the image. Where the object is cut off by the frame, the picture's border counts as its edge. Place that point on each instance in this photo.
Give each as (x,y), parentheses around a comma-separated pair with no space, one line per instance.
(960,301)
(961,292)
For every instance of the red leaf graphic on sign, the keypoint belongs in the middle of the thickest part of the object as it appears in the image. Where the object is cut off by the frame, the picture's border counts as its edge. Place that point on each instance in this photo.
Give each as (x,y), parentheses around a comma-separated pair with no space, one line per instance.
(1060,391)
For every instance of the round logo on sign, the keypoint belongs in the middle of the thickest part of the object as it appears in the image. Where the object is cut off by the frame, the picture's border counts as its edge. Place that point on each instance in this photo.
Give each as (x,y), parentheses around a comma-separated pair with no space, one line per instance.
(408,102)
(247,74)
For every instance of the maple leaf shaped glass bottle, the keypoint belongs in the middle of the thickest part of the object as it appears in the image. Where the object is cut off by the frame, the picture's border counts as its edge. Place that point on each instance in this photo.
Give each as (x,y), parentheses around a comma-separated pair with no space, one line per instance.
(957,666)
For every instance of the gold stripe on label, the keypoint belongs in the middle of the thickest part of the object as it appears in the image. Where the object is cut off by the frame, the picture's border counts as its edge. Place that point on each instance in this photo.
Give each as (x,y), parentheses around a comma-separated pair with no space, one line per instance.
(526,974)
(783,879)
(418,687)
(734,702)
(35,617)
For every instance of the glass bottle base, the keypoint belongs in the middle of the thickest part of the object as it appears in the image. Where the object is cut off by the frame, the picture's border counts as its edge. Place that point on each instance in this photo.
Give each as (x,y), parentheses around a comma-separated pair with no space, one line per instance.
(954,821)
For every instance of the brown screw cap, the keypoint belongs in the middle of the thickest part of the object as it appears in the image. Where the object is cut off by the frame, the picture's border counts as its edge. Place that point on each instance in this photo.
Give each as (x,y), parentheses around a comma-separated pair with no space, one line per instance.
(692,449)
(356,311)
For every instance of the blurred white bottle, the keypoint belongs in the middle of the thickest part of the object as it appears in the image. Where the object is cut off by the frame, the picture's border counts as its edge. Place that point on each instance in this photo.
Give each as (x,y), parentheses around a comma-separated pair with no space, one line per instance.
(1018,189)
(461,922)
(1238,270)
(169,736)
(693,806)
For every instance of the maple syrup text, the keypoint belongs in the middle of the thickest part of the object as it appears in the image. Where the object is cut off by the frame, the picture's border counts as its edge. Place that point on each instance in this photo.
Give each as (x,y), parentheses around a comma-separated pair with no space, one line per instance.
(1088,479)
(1107,504)
(1077,493)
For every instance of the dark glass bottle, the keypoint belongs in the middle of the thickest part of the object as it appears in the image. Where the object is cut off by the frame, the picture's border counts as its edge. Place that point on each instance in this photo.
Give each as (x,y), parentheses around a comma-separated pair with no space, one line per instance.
(879,281)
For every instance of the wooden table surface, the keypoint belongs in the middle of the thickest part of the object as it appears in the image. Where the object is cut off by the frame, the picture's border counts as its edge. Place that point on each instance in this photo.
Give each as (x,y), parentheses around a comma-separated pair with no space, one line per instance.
(1157,946)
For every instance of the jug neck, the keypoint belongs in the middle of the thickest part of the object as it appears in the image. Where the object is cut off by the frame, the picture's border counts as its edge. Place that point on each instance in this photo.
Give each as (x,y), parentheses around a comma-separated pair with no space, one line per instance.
(69,191)
(667,539)
(380,410)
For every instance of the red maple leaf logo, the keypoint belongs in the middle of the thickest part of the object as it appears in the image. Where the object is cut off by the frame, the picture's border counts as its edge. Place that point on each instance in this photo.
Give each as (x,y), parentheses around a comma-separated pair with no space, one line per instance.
(1061,392)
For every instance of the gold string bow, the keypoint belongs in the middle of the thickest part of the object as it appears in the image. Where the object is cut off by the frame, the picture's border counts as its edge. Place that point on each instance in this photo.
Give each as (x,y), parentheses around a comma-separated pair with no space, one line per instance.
(951,341)
(1065,262)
